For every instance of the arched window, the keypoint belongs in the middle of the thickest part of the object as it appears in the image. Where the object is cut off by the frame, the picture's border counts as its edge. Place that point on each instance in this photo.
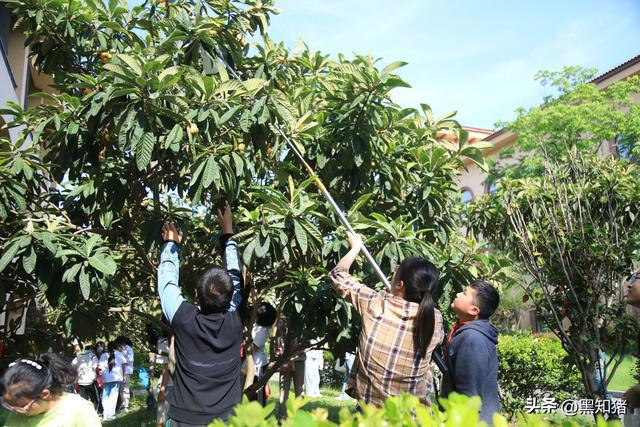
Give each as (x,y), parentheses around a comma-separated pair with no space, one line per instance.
(466,196)
(625,146)
(490,187)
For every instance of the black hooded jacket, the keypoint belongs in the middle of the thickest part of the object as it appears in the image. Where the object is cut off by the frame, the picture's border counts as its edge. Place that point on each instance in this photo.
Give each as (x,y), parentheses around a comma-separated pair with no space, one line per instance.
(472,362)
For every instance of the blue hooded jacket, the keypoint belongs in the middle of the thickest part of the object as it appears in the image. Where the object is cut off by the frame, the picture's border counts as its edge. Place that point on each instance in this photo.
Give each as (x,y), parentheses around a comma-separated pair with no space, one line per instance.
(472,362)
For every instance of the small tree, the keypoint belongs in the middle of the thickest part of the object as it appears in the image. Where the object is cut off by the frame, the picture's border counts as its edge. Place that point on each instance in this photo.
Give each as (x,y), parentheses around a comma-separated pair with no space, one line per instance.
(567,214)
(575,232)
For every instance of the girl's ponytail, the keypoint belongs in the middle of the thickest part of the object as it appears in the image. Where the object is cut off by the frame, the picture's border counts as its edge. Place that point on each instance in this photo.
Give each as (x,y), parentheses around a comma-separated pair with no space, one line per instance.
(61,371)
(111,348)
(424,324)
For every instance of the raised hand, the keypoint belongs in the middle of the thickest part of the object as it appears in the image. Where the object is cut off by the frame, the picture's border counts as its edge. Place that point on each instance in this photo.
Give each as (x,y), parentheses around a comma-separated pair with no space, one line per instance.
(225,219)
(355,241)
(170,232)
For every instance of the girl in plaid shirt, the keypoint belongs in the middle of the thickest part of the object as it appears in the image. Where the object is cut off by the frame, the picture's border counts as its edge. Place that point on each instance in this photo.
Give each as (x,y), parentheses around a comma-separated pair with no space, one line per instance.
(400,329)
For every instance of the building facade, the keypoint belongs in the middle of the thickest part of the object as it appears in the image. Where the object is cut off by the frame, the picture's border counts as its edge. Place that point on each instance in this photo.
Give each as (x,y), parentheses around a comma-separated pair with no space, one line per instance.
(18,77)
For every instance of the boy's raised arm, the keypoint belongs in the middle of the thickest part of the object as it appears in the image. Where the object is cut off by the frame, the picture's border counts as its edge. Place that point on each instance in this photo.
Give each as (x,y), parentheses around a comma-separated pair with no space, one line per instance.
(230,257)
(168,272)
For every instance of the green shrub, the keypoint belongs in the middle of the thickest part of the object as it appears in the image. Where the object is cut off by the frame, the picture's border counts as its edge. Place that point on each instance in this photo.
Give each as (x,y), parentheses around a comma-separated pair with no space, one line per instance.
(532,367)
(329,377)
(405,410)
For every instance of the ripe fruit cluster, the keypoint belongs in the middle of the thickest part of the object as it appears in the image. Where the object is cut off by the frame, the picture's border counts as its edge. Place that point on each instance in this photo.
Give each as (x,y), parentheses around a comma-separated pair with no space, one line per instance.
(105,57)
(193,129)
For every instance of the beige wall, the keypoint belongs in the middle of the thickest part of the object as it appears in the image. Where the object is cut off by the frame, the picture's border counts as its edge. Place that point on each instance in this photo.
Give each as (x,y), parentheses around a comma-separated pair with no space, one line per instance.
(19,60)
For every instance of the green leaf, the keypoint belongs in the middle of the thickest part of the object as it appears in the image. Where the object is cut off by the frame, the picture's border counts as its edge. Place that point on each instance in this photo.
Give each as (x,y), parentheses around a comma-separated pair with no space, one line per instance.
(73,128)
(71,273)
(247,254)
(121,92)
(245,121)
(90,244)
(362,200)
(211,172)
(103,263)
(175,136)
(106,218)
(85,284)
(301,236)
(254,85)
(132,63)
(17,166)
(171,71)
(144,150)
(8,255)
(393,66)
(47,240)
(264,115)
(122,72)
(226,116)
(262,249)
(29,261)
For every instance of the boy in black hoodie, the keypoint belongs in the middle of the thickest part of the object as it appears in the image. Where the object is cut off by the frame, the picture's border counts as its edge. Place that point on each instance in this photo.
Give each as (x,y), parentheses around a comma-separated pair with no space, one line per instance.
(470,353)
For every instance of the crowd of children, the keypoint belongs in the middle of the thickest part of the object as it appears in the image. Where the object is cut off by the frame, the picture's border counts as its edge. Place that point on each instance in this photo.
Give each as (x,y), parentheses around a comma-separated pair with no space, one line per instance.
(401,328)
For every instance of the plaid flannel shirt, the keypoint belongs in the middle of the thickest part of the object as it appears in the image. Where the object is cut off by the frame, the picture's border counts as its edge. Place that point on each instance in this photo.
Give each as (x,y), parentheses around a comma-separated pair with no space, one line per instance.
(386,364)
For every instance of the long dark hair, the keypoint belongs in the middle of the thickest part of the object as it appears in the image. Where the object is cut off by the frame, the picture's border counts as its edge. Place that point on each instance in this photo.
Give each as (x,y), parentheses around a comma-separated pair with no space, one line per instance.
(111,348)
(421,283)
(29,377)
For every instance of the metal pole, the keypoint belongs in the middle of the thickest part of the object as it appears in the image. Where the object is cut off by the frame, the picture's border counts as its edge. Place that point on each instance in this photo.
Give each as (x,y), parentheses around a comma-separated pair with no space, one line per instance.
(336,208)
(323,189)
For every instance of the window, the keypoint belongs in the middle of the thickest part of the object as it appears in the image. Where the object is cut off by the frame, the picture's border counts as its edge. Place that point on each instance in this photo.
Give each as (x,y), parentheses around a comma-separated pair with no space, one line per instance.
(467,196)
(625,147)
(491,187)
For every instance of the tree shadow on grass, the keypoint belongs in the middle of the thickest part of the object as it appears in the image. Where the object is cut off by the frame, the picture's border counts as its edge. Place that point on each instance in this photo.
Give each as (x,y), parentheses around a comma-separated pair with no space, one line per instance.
(328,401)
(139,418)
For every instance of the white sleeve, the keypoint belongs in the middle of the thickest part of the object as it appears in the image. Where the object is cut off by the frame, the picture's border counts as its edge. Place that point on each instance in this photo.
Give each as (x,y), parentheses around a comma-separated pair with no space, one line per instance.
(260,336)
(103,362)
(122,360)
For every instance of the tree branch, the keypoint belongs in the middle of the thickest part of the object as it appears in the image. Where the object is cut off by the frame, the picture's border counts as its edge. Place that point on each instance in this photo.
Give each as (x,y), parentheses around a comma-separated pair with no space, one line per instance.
(147,316)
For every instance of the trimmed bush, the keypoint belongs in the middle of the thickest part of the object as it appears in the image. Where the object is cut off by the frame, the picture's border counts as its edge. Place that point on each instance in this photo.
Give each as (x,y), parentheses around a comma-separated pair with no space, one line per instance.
(532,367)
(329,377)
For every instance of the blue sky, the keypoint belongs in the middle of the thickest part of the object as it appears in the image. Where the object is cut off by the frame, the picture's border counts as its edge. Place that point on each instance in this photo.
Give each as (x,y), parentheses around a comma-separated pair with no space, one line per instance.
(476,57)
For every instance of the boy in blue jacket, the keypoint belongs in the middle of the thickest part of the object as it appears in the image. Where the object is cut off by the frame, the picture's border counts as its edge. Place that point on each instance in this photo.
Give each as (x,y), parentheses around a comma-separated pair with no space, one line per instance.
(470,353)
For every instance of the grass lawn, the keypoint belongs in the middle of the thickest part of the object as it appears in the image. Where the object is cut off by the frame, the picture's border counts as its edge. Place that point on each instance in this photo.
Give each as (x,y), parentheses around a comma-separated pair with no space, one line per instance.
(329,401)
(623,378)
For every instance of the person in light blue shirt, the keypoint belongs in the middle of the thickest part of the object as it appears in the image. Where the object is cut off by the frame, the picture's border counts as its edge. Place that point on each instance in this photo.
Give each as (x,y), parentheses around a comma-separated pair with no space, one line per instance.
(207,336)
(210,299)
